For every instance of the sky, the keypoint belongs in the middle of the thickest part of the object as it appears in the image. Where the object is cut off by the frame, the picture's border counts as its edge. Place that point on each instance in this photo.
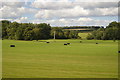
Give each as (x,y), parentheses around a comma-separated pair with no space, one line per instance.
(60,12)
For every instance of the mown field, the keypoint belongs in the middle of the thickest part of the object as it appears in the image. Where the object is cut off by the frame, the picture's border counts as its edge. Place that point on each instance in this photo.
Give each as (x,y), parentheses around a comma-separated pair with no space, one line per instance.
(83,35)
(32,59)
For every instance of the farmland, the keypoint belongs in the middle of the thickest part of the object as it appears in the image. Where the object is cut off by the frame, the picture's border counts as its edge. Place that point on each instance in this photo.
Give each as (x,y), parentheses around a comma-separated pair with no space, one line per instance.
(83,35)
(38,59)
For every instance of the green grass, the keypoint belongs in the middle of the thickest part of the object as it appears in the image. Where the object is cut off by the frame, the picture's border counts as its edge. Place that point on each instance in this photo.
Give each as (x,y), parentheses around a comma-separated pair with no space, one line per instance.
(83,35)
(31,59)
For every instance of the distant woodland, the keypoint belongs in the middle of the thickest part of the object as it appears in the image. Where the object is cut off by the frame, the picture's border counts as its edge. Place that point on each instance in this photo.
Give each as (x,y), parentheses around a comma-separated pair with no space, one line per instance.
(30,31)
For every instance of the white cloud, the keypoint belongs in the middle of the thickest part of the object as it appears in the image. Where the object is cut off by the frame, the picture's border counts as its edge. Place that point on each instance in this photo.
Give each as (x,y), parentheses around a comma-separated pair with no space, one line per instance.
(46,4)
(68,9)
(62,9)
(6,19)
(60,4)
(64,13)
(104,12)
(22,19)
(76,11)
(91,5)
(24,10)
(9,11)
(12,0)
(13,4)
(96,0)
(83,21)
(108,11)
(60,0)
(61,12)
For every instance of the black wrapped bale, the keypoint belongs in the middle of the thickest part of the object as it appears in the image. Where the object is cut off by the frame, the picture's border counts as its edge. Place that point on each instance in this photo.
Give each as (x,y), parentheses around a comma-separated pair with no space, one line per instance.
(47,42)
(12,45)
(65,44)
(96,43)
(118,51)
(68,43)
(80,41)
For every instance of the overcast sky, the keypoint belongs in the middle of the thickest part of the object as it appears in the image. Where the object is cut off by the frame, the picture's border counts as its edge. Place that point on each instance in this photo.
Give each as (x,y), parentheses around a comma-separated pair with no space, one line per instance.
(61,12)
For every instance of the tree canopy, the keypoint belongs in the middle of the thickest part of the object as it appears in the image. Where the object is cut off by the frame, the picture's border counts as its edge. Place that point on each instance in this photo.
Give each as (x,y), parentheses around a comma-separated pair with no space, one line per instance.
(30,31)
(111,32)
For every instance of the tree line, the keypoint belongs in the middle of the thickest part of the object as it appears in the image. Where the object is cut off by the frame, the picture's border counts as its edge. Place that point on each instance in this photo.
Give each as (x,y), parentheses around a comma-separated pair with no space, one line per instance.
(25,31)
(84,27)
(111,32)
(60,33)
(30,31)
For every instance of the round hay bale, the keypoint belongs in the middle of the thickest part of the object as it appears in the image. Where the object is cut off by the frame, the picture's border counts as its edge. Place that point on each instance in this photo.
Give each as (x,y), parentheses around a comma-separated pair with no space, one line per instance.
(12,45)
(68,43)
(80,41)
(65,44)
(47,42)
(96,43)
(118,51)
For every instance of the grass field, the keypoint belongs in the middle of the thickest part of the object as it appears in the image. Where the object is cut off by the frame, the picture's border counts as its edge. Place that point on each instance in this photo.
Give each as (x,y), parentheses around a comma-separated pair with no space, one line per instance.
(31,59)
(83,35)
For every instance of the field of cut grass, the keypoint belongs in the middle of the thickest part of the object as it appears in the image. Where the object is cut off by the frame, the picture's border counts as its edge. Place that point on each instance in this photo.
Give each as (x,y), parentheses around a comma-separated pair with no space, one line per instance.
(83,35)
(32,59)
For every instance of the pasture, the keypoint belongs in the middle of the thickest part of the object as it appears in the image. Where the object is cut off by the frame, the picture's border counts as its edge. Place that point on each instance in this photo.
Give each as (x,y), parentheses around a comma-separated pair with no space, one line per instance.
(83,35)
(32,59)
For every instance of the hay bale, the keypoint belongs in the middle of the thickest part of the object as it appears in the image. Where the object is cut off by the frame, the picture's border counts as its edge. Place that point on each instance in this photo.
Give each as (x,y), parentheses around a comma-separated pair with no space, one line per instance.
(118,51)
(65,44)
(80,41)
(12,45)
(68,43)
(96,43)
(47,42)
